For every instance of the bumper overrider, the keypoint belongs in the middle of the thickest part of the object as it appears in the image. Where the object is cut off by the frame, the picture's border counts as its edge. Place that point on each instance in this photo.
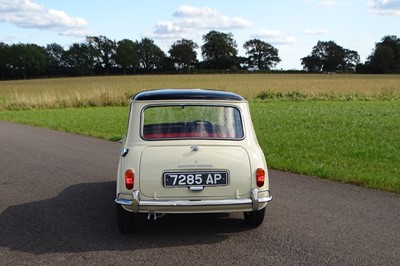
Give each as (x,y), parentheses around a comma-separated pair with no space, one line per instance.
(136,204)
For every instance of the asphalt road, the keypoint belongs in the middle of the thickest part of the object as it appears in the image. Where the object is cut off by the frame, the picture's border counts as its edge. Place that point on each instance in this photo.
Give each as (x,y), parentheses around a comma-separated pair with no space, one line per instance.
(56,207)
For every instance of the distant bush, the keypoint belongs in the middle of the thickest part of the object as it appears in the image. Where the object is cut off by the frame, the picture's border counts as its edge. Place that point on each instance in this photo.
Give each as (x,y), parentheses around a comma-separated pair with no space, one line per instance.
(279,95)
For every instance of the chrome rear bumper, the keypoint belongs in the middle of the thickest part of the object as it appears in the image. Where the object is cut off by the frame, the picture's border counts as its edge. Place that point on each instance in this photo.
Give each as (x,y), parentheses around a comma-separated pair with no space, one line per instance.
(135,203)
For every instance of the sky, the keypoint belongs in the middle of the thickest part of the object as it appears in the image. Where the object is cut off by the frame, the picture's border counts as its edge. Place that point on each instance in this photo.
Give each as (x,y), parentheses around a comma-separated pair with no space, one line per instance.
(294,27)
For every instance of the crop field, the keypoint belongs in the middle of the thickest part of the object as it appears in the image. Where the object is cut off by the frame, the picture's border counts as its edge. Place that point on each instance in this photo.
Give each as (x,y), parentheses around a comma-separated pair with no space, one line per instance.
(339,127)
(115,90)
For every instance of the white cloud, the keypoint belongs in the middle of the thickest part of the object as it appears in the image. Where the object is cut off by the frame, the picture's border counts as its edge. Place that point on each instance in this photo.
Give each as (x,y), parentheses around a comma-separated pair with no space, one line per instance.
(190,11)
(191,21)
(78,33)
(315,32)
(274,37)
(384,7)
(168,30)
(30,15)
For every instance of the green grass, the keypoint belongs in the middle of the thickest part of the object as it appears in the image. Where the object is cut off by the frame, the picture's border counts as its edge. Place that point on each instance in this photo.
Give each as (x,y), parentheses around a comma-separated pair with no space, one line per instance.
(102,122)
(356,142)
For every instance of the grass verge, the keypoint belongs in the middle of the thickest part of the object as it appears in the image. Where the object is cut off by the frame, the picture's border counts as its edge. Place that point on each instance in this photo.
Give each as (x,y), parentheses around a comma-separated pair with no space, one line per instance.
(355,142)
(101,122)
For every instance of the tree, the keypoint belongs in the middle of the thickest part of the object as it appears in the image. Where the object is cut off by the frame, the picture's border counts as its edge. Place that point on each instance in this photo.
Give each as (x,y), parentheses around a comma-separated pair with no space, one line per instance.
(351,60)
(54,54)
(168,65)
(392,42)
(28,59)
(261,54)
(312,63)
(150,55)
(4,59)
(80,58)
(183,54)
(219,50)
(385,58)
(105,51)
(127,55)
(330,57)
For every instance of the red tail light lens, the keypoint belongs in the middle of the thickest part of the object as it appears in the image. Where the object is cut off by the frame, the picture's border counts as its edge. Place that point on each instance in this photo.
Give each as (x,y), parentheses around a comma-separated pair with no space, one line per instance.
(260,176)
(129,178)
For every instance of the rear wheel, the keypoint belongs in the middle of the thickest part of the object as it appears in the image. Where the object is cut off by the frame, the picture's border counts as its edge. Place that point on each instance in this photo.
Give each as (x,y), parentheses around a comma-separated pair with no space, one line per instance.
(125,220)
(254,218)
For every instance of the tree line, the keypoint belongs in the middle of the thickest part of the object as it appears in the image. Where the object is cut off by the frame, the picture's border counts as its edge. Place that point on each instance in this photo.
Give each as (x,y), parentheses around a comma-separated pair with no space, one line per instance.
(330,57)
(99,55)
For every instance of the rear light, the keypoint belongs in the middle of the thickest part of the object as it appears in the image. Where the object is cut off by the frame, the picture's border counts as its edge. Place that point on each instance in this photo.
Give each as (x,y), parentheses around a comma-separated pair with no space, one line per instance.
(129,178)
(260,177)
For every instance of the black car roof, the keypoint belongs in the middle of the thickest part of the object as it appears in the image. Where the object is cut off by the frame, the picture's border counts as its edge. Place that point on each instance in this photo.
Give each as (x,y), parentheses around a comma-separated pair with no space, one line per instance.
(186,94)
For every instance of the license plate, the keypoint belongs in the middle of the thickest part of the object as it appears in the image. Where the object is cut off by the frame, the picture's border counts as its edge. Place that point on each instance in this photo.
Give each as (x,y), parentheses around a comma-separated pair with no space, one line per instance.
(201,178)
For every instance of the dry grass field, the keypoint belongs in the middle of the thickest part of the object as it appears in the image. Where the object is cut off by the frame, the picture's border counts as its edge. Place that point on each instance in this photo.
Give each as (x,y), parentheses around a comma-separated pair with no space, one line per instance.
(115,90)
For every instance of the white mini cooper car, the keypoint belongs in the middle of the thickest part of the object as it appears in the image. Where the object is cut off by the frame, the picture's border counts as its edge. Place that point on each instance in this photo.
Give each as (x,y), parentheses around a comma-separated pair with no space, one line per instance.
(190,151)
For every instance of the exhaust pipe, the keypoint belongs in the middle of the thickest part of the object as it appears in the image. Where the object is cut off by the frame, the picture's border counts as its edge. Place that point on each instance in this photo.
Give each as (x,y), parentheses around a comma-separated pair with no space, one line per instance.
(152,214)
(155,215)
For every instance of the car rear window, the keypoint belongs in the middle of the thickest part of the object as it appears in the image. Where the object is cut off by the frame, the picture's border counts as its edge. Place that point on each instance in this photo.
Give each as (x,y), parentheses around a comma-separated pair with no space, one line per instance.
(192,121)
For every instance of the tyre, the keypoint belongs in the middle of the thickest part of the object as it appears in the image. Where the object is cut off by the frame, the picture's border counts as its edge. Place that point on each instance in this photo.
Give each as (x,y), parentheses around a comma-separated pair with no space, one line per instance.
(254,218)
(125,220)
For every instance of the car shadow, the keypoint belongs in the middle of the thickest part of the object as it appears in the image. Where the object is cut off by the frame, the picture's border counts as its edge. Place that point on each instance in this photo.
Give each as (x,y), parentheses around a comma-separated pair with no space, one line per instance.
(82,218)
